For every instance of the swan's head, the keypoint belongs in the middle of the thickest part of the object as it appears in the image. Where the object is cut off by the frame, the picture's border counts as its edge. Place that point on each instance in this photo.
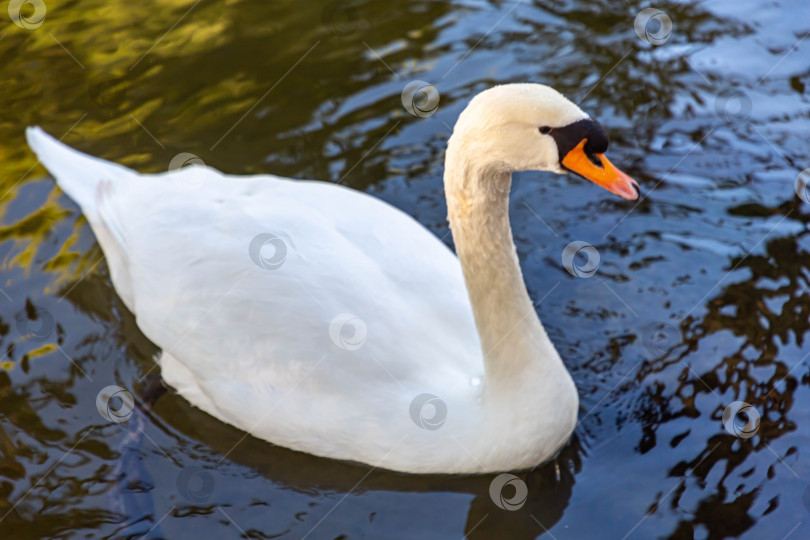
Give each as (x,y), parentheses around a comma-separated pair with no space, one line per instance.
(520,127)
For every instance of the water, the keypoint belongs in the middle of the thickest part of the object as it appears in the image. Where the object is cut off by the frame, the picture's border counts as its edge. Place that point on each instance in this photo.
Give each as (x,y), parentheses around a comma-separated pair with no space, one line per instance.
(699,300)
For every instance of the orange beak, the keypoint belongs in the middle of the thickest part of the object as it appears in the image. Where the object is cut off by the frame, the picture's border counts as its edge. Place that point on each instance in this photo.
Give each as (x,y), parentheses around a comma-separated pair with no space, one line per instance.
(606,176)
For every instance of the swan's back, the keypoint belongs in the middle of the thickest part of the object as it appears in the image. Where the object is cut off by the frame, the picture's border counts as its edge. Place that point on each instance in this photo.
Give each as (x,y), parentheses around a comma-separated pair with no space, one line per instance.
(352,304)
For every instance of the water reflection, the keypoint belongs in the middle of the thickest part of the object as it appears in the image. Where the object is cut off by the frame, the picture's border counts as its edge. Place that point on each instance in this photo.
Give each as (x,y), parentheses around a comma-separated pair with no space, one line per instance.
(700,299)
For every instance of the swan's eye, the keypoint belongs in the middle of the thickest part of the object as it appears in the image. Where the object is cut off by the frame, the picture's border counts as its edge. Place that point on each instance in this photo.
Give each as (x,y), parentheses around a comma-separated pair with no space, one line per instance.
(545,130)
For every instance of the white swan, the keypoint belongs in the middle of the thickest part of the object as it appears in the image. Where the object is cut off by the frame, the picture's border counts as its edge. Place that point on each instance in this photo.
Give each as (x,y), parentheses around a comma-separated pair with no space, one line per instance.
(324,320)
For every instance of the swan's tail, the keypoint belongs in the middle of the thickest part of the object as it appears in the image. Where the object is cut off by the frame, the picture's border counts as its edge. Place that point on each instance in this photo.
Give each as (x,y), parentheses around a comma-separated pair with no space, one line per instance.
(78,174)
(91,182)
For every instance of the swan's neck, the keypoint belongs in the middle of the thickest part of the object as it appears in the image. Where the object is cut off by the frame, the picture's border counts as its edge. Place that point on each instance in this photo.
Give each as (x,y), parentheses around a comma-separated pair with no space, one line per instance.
(514,344)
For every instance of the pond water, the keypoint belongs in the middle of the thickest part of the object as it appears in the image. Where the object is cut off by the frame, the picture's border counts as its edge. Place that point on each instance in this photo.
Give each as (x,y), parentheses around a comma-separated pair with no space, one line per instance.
(699,301)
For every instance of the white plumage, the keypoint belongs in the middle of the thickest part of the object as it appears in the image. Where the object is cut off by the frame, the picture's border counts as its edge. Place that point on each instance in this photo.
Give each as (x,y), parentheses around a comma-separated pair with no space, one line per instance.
(318,317)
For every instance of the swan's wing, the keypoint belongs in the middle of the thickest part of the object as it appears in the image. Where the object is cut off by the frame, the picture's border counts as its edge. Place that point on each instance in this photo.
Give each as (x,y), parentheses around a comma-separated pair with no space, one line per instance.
(351,295)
